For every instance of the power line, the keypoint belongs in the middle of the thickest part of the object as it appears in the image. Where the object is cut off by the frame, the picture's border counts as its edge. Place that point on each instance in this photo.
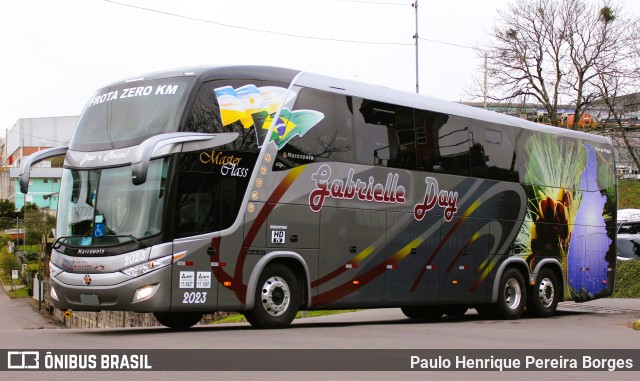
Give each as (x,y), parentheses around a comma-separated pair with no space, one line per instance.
(369,2)
(294,35)
(254,29)
(452,44)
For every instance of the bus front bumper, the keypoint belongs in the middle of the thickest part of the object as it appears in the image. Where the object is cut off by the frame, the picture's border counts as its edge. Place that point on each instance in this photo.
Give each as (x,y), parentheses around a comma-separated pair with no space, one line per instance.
(146,293)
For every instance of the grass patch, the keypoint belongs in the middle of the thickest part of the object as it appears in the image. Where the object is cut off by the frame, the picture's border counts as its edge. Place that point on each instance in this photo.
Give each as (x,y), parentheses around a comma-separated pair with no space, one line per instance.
(627,279)
(239,318)
(628,192)
(19,293)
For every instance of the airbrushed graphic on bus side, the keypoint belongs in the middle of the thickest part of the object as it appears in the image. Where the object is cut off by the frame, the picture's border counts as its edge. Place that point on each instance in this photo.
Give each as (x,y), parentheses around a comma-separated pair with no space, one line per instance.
(349,189)
(257,107)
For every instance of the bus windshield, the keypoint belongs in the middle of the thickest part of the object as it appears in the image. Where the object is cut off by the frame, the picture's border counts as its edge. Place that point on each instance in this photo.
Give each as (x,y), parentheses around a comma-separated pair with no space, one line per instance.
(125,115)
(102,207)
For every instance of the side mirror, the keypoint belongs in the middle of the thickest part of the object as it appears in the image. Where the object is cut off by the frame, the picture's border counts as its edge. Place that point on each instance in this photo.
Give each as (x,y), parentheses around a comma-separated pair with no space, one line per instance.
(147,149)
(33,159)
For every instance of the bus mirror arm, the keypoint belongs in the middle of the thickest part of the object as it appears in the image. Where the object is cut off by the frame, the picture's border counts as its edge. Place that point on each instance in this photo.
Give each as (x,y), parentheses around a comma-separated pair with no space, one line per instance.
(33,159)
(144,153)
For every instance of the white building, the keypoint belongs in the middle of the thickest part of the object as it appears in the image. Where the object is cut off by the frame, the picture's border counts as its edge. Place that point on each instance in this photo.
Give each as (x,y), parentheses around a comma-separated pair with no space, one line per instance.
(25,137)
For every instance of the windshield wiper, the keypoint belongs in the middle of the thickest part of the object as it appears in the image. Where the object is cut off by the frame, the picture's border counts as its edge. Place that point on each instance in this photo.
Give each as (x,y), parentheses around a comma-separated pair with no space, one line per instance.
(134,239)
(66,240)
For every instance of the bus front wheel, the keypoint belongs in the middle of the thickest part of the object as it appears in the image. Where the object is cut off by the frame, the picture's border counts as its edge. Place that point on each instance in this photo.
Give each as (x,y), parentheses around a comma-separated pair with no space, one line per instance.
(178,320)
(276,300)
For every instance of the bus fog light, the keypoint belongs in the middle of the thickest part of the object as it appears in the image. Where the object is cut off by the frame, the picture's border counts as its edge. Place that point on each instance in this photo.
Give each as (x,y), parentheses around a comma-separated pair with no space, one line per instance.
(54,295)
(144,292)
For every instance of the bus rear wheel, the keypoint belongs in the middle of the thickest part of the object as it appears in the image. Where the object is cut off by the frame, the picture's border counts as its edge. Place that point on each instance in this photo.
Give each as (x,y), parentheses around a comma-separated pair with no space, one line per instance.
(178,320)
(545,295)
(276,300)
(422,312)
(512,295)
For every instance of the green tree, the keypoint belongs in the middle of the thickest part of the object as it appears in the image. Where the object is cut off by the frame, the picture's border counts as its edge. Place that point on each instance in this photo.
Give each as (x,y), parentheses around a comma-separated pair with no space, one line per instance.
(8,262)
(7,214)
(39,223)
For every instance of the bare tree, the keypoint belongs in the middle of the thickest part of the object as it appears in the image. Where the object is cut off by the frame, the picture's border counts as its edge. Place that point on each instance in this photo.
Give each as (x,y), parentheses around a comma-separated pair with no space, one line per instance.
(551,51)
(595,35)
(618,80)
(525,59)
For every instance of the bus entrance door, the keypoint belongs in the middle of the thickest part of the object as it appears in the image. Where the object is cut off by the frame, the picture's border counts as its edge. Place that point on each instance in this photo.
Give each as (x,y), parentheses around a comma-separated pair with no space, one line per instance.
(194,278)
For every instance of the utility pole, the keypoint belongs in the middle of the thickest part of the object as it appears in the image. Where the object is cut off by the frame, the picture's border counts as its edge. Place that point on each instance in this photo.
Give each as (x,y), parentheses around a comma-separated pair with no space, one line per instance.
(415,36)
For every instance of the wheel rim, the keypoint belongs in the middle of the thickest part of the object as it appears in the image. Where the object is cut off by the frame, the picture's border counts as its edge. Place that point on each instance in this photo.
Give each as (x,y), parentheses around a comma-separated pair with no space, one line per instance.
(512,294)
(276,296)
(546,292)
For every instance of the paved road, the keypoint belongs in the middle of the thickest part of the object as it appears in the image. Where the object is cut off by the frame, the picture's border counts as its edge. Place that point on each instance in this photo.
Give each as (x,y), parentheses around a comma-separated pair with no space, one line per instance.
(596,325)
(16,314)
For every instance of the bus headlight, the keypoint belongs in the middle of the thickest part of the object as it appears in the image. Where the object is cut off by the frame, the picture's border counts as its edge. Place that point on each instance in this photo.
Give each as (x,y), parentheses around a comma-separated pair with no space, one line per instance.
(147,267)
(54,270)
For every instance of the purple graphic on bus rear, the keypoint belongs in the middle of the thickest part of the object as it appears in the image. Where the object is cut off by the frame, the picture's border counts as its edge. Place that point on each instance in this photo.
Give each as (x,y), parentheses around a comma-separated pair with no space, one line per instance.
(589,243)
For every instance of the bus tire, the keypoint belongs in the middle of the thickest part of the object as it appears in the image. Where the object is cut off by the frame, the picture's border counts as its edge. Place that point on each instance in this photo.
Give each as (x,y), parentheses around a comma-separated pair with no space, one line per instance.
(277,298)
(178,320)
(544,296)
(512,295)
(422,312)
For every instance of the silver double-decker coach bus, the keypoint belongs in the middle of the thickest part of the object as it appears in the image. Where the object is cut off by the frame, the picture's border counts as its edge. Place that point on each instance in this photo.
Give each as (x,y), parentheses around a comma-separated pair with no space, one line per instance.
(267,191)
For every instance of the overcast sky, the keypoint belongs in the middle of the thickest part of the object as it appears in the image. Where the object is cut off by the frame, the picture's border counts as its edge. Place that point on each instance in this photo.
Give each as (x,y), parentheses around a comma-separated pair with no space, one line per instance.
(55,54)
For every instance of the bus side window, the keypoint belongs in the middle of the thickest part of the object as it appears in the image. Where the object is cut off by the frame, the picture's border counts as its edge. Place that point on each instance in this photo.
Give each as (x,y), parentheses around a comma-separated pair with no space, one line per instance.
(427,126)
(330,139)
(385,135)
(493,154)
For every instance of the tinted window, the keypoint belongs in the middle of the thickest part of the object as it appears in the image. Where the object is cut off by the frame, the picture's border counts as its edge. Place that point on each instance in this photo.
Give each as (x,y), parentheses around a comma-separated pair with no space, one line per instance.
(428,125)
(454,144)
(492,152)
(386,135)
(328,136)
(629,228)
(210,188)
(206,114)
(127,114)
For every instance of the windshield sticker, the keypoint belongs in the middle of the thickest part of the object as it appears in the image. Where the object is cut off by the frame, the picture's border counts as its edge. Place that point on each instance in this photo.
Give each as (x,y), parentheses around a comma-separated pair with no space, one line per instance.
(229,163)
(257,106)
(105,156)
(219,158)
(369,191)
(433,196)
(133,92)
(98,230)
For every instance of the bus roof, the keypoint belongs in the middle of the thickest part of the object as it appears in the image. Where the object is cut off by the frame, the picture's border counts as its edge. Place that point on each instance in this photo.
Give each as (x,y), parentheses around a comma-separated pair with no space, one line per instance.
(364,90)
